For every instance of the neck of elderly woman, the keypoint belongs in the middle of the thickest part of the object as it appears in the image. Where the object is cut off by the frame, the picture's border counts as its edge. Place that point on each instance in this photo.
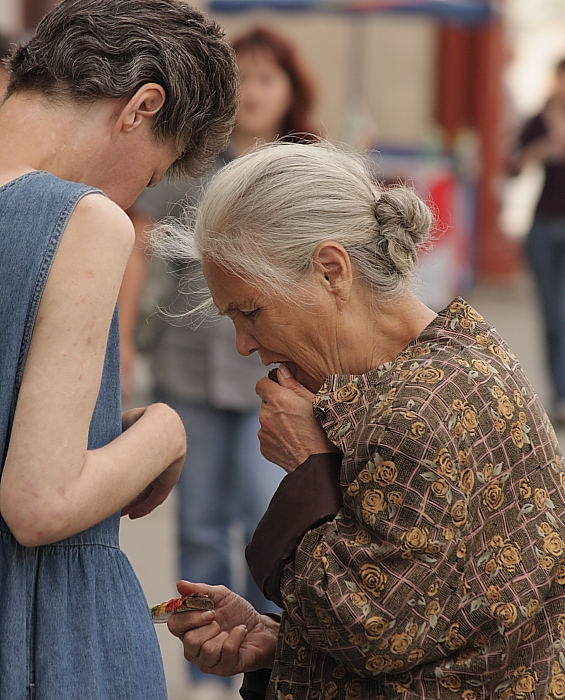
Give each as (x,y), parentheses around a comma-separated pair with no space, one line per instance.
(383,329)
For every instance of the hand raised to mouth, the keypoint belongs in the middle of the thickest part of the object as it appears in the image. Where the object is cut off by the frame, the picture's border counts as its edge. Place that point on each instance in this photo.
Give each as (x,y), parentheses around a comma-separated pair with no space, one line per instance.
(273,372)
(289,431)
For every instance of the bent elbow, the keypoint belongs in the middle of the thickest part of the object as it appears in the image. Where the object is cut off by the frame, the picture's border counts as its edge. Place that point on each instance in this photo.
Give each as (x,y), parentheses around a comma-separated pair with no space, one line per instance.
(33,535)
(26,539)
(33,529)
(31,538)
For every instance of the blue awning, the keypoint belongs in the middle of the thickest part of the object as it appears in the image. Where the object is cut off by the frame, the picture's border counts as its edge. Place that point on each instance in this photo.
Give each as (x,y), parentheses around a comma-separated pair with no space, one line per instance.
(464,11)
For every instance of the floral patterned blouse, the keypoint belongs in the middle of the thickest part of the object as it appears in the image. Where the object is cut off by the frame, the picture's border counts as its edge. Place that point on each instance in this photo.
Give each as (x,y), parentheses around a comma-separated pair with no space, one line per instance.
(443,575)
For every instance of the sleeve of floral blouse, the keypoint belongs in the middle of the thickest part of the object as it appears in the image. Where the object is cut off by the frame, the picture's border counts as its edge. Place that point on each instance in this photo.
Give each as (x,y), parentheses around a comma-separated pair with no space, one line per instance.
(255,684)
(383,586)
(307,497)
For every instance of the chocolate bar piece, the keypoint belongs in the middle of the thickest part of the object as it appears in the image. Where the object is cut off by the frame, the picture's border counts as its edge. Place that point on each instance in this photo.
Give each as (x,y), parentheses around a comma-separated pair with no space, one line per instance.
(195,602)
(162,612)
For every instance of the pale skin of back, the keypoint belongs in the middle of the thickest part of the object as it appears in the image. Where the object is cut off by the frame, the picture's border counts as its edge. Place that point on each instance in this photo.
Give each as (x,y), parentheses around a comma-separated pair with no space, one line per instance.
(52,486)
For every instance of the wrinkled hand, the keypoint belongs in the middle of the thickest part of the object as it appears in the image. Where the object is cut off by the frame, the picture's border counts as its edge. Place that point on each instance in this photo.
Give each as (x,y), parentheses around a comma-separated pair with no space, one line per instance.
(289,432)
(232,638)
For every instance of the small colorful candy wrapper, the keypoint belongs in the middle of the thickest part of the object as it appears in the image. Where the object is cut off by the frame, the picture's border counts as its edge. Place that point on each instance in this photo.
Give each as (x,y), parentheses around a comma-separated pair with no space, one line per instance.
(162,612)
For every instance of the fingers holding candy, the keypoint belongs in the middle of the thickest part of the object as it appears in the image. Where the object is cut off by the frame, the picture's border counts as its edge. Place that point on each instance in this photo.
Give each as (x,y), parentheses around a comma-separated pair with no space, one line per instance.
(230,639)
(216,651)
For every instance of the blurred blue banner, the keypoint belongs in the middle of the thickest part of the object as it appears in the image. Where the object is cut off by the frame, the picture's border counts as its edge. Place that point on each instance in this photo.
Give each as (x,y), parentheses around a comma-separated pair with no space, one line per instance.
(466,11)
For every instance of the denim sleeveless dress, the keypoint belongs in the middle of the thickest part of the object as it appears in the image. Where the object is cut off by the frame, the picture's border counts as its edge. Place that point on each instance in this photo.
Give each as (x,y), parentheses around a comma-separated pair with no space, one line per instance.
(74,622)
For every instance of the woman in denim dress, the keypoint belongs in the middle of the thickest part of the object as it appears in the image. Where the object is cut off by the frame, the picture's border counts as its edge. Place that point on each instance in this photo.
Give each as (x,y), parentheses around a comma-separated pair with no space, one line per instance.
(105,98)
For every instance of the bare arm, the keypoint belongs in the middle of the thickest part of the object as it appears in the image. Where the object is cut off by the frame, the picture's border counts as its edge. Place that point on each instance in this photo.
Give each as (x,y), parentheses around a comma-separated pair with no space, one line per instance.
(52,485)
(539,151)
(129,298)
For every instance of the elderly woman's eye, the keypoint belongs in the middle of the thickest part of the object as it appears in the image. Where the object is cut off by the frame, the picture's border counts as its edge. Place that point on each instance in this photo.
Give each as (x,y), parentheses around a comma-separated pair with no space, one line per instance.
(251,315)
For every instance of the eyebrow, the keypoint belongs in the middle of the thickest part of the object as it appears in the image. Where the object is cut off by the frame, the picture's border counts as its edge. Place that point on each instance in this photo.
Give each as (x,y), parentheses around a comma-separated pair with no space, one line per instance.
(229,307)
(233,306)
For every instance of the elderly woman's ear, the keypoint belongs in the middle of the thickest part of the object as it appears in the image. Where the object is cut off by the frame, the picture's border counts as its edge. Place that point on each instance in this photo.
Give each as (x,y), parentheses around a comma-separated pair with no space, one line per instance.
(332,265)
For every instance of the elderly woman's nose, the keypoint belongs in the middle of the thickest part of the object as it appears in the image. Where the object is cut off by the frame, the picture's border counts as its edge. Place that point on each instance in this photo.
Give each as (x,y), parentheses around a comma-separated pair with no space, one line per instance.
(245,343)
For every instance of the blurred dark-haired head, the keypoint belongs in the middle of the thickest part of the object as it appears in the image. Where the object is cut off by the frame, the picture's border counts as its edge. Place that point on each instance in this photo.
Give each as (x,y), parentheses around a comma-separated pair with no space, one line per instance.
(275,85)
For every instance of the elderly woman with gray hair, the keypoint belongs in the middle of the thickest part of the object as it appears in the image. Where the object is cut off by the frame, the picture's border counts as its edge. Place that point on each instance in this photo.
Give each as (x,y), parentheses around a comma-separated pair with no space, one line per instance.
(417,543)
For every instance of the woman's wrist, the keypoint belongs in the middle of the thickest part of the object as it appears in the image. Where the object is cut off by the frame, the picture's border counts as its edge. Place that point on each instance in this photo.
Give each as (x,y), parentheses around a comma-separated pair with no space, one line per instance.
(172,430)
(271,629)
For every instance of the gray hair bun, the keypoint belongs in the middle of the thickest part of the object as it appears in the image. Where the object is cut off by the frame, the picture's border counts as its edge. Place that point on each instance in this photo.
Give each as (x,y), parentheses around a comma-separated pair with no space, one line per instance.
(264,215)
(404,224)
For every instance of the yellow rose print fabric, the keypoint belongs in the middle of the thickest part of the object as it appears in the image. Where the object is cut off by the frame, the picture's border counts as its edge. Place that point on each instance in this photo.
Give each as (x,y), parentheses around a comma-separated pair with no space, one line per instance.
(443,576)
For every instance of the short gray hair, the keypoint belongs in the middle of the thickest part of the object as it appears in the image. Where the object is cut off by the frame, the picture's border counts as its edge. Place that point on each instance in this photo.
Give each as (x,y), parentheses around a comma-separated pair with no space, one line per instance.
(263,216)
(90,49)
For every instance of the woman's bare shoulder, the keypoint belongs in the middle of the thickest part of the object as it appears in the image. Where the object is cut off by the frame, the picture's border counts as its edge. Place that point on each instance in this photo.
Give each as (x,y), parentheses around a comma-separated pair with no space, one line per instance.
(98,215)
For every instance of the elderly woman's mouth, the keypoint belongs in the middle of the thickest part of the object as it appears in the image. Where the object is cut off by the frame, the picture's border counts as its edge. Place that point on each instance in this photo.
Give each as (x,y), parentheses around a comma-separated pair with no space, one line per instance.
(290,366)
(272,374)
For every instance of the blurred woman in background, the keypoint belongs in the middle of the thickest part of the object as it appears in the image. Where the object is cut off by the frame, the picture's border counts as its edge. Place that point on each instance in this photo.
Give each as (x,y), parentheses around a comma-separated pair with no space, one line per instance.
(542,141)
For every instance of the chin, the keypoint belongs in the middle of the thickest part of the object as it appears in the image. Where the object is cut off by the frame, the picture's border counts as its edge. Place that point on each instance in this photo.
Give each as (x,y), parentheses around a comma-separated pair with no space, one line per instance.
(300,376)
(126,201)
(124,198)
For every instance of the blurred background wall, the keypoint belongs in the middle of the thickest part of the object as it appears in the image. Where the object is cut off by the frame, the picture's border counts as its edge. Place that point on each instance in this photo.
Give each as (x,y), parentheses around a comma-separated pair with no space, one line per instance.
(10,15)
(398,100)
(396,56)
